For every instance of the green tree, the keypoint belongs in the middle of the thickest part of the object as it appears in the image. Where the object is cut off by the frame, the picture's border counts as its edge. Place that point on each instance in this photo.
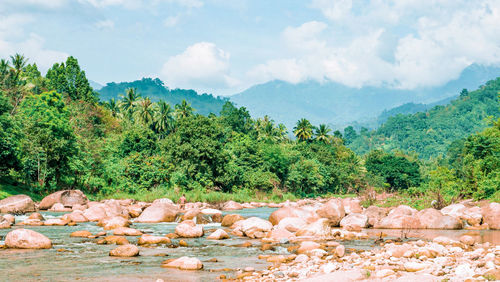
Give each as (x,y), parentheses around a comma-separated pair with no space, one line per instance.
(183,110)
(164,118)
(145,112)
(399,172)
(129,102)
(322,133)
(303,130)
(70,79)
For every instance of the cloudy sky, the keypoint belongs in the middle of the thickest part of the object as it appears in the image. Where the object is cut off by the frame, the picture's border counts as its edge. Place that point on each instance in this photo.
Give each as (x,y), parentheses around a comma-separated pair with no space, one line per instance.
(225,46)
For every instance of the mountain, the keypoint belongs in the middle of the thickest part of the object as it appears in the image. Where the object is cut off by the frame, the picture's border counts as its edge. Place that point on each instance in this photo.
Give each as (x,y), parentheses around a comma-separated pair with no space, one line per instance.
(95,85)
(339,105)
(154,89)
(430,133)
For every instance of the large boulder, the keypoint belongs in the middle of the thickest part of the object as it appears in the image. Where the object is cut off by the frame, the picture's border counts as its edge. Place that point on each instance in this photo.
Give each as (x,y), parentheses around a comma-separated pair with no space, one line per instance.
(95,212)
(27,239)
(232,205)
(68,198)
(491,215)
(279,214)
(230,219)
(253,227)
(110,223)
(279,234)
(147,239)
(292,224)
(398,221)
(218,234)
(455,210)
(473,216)
(319,228)
(125,251)
(375,214)
(434,219)
(126,231)
(4,223)
(402,210)
(17,204)
(158,212)
(58,207)
(333,210)
(184,263)
(354,220)
(352,205)
(75,216)
(190,214)
(189,229)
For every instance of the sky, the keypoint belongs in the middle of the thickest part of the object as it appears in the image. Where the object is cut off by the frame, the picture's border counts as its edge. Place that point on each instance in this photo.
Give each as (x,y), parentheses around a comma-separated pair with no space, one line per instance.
(225,46)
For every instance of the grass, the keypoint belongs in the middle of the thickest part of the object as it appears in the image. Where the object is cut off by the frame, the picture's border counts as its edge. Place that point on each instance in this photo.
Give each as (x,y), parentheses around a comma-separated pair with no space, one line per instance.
(9,188)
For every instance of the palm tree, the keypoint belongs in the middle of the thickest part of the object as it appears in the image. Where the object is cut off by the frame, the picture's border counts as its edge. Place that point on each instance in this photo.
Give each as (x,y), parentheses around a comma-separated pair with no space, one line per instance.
(129,101)
(145,111)
(18,63)
(303,130)
(322,133)
(164,118)
(281,131)
(183,109)
(113,107)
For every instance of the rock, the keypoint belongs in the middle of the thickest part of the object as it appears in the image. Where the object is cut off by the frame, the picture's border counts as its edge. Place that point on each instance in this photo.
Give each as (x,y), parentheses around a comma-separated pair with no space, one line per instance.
(253,227)
(307,246)
(212,215)
(340,251)
(81,233)
(147,239)
(455,210)
(329,267)
(17,204)
(352,205)
(58,207)
(32,222)
(78,207)
(355,219)
(134,210)
(398,220)
(279,234)
(68,198)
(319,228)
(125,251)
(467,240)
(27,239)
(491,215)
(189,229)
(434,219)
(276,259)
(301,258)
(292,224)
(75,216)
(332,210)
(384,273)
(10,218)
(249,269)
(184,263)
(183,243)
(414,266)
(231,206)
(230,219)
(442,240)
(56,222)
(473,216)
(402,210)
(110,223)
(397,251)
(112,239)
(158,212)
(95,212)
(284,212)
(126,231)
(218,234)
(163,201)
(464,271)
(375,214)
(4,224)
(36,215)
(190,214)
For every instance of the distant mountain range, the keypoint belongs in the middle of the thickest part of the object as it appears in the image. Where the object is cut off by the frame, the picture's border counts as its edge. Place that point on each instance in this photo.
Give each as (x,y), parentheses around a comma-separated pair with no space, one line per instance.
(339,105)
(154,89)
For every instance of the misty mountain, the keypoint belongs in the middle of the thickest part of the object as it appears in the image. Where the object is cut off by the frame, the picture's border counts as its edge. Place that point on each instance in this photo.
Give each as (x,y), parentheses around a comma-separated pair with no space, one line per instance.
(339,105)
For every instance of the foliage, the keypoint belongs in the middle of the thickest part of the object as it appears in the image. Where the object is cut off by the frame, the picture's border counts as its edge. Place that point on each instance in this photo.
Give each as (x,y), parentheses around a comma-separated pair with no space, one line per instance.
(399,172)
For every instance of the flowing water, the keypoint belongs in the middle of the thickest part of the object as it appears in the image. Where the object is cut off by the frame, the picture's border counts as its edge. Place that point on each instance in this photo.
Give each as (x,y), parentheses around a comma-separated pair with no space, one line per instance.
(73,259)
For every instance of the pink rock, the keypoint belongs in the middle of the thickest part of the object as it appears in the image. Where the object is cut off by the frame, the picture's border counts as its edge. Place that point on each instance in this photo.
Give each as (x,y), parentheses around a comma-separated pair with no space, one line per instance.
(218,234)
(147,239)
(158,212)
(232,205)
(189,229)
(184,263)
(27,239)
(68,198)
(17,204)
(332,210)
(125,251)
(491,215)
(355,219)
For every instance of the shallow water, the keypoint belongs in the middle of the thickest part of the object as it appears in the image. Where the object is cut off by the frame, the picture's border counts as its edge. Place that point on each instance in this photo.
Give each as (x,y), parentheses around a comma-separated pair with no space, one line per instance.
(80,259)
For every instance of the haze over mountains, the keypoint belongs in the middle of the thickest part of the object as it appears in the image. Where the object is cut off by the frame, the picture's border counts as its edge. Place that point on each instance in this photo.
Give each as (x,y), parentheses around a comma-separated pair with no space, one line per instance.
(330,103)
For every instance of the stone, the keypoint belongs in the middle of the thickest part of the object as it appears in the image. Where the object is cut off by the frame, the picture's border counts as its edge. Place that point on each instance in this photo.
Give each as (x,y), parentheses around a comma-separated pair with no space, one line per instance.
(307,246)
(75,216)
(36,215)
(464,271)
(333,210)
(473,216)
(253,227)
(230,219)
(126,231)
(78,207)
(284,212)
(414,266)
(17,204)
(467,240)
(112,239)
(398,221)
(163,201)
(292,224)
(110,223)
(147,239)
(329,267)
(340,251)
(249,269)
(81,233)
(4,224)
(32,222)
(375,214)
(26,239)
(56,222)
(301,258)
(402,210)
(190,214)
(455,210)
(68,198)
(276,259)
(184,263)
(491,215)
(158,212)
(10,218)
(352,205)
(134,210)
(183,243)
(95,212)
(218,234)
(355,219)
(384,273)
(279,234)
(319,228)
(442,240)
(189,229)
(58,207)
(125,251)
(434,219)
(231,206)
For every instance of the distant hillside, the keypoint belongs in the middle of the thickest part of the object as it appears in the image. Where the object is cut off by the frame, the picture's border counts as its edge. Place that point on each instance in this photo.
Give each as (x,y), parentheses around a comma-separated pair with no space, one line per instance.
(95,85)
(339,105)
(155,90)
(430,133)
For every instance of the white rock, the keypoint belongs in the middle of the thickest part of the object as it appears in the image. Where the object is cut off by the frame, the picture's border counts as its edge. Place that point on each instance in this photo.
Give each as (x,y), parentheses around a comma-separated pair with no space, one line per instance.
(384,273)
(414,266)
(329,267)
(464,271)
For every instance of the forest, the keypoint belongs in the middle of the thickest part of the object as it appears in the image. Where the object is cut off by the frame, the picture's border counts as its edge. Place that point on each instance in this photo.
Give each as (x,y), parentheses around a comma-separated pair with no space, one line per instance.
(55,133)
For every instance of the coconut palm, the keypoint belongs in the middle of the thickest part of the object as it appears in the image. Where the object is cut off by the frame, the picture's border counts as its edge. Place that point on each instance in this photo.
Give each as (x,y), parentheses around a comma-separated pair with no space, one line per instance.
(322,133)
(145,111)
(129,101)
(112,105)
(164,117)
(18,62)
(303,130)
(183,109)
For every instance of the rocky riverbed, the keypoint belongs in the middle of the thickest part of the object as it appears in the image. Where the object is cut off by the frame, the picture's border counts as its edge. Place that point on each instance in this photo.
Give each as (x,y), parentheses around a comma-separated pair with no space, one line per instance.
(67,237)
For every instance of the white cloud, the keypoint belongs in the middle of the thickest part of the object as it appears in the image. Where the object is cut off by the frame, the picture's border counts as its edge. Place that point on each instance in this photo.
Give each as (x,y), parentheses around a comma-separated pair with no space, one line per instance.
(51,4)
(334,10)
(133,4)
(105,24)
(305,36)
(186,3)
(171,21)
(202,66)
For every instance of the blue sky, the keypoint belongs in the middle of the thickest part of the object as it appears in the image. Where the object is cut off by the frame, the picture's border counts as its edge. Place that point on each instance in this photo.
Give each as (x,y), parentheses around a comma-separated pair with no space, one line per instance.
(223,47)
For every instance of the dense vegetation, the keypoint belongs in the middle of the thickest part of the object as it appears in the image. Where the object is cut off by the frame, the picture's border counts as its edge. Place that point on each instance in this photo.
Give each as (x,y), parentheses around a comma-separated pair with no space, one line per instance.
(156,90)
(56,134)
(431,132)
